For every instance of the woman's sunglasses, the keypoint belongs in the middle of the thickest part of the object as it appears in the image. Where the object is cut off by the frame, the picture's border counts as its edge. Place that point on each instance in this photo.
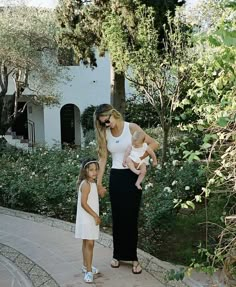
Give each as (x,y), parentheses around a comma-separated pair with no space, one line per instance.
(106,122)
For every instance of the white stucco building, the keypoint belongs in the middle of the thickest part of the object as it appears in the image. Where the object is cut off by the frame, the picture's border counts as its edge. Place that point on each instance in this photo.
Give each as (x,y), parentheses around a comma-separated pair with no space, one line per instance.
(41,125)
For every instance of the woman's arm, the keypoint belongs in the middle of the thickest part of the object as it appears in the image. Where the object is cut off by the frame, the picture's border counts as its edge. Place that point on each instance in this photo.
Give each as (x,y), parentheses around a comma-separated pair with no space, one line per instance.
(152,143)
(152,155)
(102,166)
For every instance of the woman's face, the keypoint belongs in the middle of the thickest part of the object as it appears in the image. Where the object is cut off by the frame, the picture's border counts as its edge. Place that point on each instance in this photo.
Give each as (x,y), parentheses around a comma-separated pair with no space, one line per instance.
(106,121)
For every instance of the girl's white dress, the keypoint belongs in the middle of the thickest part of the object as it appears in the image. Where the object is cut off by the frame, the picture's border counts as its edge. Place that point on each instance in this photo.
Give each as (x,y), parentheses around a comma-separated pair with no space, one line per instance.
(85,226)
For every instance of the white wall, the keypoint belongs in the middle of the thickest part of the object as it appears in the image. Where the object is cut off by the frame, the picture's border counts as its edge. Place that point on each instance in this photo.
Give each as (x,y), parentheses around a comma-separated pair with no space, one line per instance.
(36,114)
(87,87)
(52,126)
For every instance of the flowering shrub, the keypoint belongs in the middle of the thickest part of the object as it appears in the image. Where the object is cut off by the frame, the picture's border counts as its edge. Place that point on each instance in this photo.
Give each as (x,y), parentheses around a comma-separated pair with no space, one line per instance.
(159,216)
(42,181)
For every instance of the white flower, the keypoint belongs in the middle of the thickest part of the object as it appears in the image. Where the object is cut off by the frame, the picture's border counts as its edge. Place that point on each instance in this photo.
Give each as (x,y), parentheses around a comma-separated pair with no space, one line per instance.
(77,156)
(171,151)
(92,143)
(158,166)
(174,162)
(174,182)
(33,173)
(167,189)
(187,187)
(148,185)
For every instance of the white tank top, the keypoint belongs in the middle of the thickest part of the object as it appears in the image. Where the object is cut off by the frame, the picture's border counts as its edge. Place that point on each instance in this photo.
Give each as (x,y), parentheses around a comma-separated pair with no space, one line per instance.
(118,145)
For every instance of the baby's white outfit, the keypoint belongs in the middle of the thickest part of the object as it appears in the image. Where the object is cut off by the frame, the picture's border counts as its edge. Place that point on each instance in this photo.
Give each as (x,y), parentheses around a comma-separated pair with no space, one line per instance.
(85,226)
(136,153)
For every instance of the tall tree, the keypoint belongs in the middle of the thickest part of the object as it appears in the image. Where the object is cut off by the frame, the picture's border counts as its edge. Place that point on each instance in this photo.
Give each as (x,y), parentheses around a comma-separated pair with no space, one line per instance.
(159,77)
(27,59)
(82,30)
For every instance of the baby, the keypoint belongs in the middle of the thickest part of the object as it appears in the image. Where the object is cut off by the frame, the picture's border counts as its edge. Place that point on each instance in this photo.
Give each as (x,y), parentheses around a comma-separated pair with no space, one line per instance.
(133,154)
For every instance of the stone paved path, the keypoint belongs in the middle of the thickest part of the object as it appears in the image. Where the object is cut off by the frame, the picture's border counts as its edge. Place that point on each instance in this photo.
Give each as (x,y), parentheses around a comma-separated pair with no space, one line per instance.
(42,252)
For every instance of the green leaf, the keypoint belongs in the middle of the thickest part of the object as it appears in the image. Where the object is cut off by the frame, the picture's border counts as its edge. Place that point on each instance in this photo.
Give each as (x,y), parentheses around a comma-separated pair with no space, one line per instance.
(214,41)
(184,205)
(191,204)
(223,121)
(205,146)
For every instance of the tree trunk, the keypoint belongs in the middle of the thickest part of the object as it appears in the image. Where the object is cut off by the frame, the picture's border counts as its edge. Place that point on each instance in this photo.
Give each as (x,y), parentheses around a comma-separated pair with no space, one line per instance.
(3,98)
(118,90)
(165,144)
(9,103)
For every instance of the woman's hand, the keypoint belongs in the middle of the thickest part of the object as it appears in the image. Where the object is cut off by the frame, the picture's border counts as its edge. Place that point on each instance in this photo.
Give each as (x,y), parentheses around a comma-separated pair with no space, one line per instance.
(101,190)
(154,163)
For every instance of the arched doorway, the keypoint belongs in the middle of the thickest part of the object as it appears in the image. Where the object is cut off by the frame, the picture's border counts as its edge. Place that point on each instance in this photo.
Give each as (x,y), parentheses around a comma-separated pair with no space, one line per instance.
(70,126)
(20,126)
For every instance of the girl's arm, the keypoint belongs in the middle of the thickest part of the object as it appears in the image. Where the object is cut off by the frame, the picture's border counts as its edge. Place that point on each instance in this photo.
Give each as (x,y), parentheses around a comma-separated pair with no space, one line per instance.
(85,190)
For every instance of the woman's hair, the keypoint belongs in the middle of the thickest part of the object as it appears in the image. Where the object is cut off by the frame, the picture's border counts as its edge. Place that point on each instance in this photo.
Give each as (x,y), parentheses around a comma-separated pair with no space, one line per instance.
(84,170)
(100,130)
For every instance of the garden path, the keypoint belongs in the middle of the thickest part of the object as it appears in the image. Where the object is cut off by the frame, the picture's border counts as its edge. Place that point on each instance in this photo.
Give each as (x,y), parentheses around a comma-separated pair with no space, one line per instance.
(42,252)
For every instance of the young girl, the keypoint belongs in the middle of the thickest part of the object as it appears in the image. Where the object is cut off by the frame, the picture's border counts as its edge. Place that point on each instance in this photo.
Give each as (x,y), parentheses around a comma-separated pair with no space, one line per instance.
(87,217)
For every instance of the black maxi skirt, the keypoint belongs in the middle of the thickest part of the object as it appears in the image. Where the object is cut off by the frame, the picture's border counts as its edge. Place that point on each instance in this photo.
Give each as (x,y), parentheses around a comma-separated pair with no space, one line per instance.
(125,203)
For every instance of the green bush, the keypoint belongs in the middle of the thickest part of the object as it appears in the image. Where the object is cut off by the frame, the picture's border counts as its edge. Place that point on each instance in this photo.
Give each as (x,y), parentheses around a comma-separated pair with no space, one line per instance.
(87,119)
(138,110)
(159,216)
(42,182)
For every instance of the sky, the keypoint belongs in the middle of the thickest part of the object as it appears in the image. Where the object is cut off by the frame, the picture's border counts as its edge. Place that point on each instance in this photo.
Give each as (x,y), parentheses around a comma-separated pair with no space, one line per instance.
(53,3)
(44,3)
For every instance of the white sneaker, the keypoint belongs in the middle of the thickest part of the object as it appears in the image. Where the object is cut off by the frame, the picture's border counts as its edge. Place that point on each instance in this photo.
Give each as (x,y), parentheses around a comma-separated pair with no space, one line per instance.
(94,270)
(88,277)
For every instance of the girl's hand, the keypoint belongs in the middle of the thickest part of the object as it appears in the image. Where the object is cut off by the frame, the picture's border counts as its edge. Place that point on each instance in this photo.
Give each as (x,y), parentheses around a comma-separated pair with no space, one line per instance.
(97,220)
(101,190)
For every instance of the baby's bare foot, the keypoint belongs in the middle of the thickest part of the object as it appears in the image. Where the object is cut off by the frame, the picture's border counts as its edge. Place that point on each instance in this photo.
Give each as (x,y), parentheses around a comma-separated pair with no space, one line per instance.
(138,186)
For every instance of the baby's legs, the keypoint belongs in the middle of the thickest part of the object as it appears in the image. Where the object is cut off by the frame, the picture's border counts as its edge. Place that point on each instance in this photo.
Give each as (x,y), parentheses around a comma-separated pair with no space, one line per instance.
(87,249)
(143,170)
(131,165)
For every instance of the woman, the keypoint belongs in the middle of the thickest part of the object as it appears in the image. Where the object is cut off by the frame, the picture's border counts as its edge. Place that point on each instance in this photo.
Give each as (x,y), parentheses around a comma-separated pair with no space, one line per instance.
(114,136)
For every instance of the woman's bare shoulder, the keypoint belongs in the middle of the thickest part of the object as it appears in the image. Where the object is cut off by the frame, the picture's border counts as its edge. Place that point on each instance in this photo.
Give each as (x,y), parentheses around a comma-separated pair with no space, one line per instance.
(134,127)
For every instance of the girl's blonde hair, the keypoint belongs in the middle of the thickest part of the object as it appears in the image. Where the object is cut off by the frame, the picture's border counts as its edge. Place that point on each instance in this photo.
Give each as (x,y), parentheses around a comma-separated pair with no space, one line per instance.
(83,175)
(100,130)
